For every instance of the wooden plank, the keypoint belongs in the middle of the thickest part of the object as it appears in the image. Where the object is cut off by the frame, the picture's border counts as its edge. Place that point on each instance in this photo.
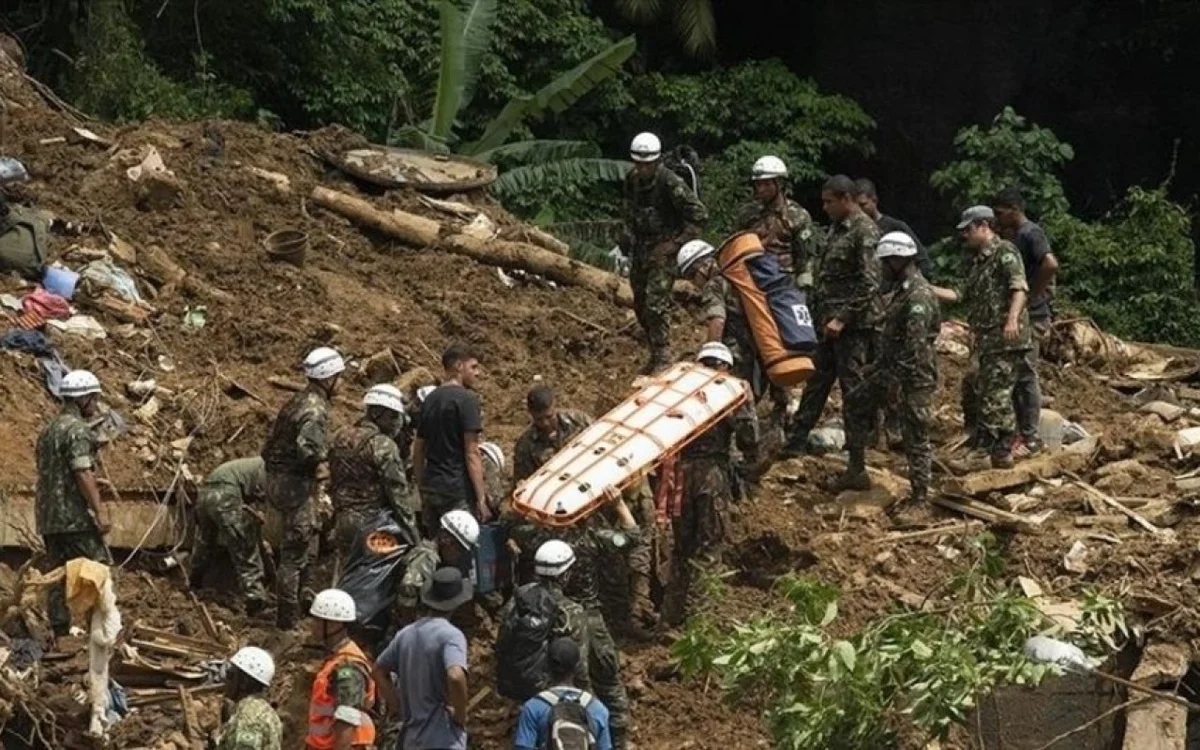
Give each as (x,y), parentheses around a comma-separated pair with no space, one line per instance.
(191,725)
(1072,458)
(1111,522)
(206,646)
(953,527)
(206,620)
(1132,515)
(131,519)
(984,512)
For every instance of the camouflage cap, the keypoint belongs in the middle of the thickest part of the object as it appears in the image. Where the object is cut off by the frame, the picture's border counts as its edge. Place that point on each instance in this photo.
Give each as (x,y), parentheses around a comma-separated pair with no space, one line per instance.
(974,214)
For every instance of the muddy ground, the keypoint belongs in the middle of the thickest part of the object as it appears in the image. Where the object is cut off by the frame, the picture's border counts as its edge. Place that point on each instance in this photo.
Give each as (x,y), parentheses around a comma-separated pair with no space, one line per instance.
(364,293)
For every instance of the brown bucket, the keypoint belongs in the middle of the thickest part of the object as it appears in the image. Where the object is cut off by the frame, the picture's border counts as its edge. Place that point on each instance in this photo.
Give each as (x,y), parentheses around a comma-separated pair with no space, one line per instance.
(287,245)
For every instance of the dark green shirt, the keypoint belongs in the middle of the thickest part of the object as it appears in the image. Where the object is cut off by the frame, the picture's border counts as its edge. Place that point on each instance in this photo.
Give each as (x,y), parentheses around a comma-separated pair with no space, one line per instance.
(66,446)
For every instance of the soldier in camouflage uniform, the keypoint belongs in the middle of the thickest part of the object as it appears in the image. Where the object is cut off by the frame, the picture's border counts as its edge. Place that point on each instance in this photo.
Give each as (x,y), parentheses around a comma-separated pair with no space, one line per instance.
(366,471)
(594,542)
(226,521)
(625,585)
(847,314)
(493,476)
(710,476)
(296,447)
(908,357)
(70,516)
(254,725)
(783,225)
(994,293)
(452,546)
(661,213)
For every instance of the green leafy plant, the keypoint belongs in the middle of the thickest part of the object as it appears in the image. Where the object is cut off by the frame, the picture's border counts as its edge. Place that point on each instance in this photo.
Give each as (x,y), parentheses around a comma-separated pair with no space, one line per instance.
(692,21)
(926,667)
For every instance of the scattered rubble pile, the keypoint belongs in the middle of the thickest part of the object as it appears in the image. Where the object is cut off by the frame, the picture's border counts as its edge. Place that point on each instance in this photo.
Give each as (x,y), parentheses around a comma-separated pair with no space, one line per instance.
(196,332)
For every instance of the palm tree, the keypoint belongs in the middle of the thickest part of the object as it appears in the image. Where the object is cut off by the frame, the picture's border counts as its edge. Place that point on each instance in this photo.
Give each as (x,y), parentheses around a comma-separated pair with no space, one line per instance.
(465,36)
(692,21)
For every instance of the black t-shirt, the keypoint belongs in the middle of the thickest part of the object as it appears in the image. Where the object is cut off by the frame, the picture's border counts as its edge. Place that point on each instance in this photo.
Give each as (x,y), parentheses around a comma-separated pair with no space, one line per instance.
(447,414)
(1031,241)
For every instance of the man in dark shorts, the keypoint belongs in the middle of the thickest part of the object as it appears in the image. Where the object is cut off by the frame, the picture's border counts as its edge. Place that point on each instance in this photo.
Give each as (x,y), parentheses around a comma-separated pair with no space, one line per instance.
(446,461)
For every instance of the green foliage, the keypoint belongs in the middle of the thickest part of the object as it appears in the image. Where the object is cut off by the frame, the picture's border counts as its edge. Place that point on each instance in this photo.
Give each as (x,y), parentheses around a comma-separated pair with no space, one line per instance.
(1132,271)
(1012,153)
(692,21)
(822,691)
(734,115)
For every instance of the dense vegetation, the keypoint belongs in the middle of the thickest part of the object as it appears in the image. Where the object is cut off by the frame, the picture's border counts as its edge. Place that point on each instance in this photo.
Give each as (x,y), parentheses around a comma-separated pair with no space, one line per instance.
(552,90)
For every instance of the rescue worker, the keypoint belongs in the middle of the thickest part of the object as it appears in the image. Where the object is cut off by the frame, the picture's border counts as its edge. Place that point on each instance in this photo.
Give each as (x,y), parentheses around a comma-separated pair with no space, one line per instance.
(366,470)
(295,452)
(70,516)
(994,293)
(909,358)
(847,316)
(452,546)
(594,543)
(868,200)
(227,520)
(725,321)
(493,476)
(550,428)
(626,579)
(661,213)
(783,225)
(711,481)
(343,692)
(253,725)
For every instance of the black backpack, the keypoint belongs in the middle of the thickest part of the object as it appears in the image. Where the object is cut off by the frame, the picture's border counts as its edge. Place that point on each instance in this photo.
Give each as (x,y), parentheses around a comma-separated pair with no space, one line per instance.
(685,162)
(522,642)
(569,728)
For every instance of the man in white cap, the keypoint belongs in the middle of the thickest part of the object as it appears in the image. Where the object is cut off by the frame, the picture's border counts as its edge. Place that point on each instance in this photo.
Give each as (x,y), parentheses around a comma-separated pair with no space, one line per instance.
(784,226)
(70,516)
(661,213)
(254,725)
(366,471)
(295,448)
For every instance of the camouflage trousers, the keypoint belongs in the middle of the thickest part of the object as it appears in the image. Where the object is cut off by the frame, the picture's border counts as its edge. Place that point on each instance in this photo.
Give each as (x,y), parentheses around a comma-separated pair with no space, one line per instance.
(348,522)
(604,670)
(987,396)
(915,412)
(699,531)
(61,548)
(290,498)
(434,505)
(747,367)
(224,524)
(843,360)
(651,281)
(628,573)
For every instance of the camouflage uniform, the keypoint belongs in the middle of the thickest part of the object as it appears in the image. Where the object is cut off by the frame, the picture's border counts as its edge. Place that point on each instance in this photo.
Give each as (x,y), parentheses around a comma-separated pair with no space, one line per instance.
(709,481)
(296,446)
(495,486)
(593,544)
(64,518)
(570,621)
(366,475)
(993,274)
(253,726)
(224,522)
(534,449)
(909,359)
(786,229)
(658,209)
(848,289)
(420,562)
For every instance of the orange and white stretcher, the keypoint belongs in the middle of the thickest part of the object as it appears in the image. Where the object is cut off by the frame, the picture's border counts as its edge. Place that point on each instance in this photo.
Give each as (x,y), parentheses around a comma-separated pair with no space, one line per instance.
(667,412)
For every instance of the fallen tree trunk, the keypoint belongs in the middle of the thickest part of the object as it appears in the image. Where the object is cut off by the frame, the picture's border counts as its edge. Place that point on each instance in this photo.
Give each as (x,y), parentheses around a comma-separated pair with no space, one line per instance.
(158,265)
(423,232)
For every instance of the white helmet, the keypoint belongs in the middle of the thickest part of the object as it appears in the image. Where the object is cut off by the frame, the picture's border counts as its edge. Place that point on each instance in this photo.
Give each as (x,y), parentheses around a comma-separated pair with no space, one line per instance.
(493,453)
(462,526)
(768,168)
(896,245)
(715,350)
(553,558)
(323,362)
(424,391)
(333,605)
(645,147)
(79,383)
(256,663)
(387,396)
(692,253)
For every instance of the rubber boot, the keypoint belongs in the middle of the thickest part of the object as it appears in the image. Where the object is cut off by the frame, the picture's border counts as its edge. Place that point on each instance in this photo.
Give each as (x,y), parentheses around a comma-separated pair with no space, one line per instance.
(855,477)
(1001,453)
(620,738)
(796,445)
(908,511)
(659,359)
(254,607)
